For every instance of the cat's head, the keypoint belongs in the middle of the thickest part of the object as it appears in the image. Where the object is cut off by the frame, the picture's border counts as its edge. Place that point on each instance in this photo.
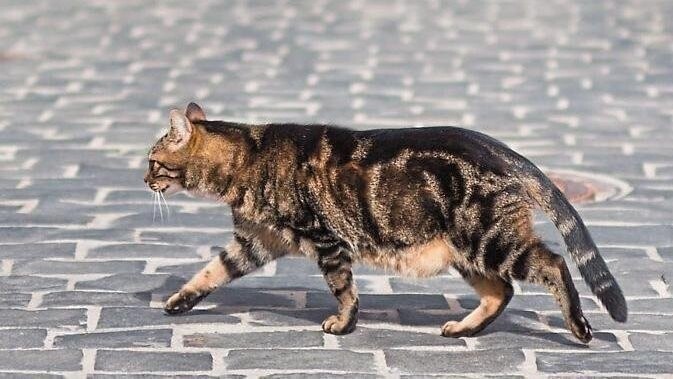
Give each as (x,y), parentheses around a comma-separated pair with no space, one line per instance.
(172,157)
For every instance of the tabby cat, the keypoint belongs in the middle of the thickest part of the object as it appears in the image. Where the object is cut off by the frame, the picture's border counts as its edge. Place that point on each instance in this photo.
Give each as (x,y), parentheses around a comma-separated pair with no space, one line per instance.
(415,201)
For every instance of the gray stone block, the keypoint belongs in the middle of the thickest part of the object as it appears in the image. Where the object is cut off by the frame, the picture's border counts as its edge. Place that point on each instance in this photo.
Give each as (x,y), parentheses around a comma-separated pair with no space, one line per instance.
(286,359)
(16,375)
(108,234)
(319,376)
(61,267)
(38,250)
(543,340)
(20,234)
(635,321)
(256,340)
(367,338)
(654,305)
(252,297)
(133,317)
(191,238)
(22,338)
(143,251)
(43,318)
(152,338)
(83,298)
(41,360)
(132,283)
(454,362)
(510,320)
(630,362)
(14,300)
(441,284)
(25,283)
(373,301)
(651,342)
(159,376)
(143,361)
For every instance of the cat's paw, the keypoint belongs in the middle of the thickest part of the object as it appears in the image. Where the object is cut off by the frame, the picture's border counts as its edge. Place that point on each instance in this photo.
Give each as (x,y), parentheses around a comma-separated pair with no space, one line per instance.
(182,301)
(582,330)
(336,324)
(455,329)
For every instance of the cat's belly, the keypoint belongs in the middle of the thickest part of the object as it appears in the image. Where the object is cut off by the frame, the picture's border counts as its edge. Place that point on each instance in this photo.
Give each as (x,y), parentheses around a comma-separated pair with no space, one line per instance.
(420,260)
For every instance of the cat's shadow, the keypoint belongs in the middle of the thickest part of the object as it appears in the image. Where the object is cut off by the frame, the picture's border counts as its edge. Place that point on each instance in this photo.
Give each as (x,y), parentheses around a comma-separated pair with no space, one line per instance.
(286,307)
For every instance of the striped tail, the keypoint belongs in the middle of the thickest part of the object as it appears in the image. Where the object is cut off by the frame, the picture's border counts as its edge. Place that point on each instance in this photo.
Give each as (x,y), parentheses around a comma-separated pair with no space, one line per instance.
(578,241)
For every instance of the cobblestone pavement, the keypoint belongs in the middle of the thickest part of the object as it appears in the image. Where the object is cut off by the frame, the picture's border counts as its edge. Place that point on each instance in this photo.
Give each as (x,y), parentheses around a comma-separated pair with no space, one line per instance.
(85,87)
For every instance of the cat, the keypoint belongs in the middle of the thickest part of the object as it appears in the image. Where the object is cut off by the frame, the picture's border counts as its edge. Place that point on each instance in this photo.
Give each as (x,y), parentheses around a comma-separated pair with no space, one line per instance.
(416,201)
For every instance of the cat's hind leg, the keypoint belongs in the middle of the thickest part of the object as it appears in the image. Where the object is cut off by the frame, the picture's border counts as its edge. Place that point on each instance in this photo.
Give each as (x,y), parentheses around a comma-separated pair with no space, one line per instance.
(244,254)
(540,265)
(495,293)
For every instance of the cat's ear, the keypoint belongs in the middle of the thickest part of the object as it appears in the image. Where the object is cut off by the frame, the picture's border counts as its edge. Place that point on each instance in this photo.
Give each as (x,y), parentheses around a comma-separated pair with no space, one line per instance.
(194,113)
(181,129)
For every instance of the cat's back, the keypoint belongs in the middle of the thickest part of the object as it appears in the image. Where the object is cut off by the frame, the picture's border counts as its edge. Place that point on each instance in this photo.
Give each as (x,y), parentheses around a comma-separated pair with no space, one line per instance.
(335,145)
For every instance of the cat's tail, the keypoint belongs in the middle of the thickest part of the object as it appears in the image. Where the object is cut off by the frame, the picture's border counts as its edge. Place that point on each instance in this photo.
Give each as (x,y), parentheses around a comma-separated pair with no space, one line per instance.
(580,245)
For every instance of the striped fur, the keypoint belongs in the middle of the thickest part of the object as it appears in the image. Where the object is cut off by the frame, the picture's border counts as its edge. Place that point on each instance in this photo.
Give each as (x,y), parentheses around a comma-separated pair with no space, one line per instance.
(414,201)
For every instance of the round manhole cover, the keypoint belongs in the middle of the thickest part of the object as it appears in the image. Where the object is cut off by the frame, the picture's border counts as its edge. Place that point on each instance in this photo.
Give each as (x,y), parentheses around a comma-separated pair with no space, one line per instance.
(582,187)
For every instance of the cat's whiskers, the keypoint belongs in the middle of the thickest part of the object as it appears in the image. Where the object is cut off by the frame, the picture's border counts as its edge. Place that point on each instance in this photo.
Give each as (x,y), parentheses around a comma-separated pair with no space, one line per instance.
(154,206)
(168,210)
(161,212)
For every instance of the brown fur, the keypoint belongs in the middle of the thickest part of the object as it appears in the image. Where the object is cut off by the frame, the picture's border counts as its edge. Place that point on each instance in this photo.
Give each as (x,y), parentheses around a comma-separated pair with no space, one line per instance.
(413,201)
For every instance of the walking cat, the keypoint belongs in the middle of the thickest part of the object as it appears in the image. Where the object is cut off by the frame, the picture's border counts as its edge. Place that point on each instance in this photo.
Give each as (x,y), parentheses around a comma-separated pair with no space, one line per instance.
(416,201)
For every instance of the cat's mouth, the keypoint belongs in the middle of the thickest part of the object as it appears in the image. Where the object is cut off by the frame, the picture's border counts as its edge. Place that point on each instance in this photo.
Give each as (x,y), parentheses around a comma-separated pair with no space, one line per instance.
(156,187)
(165,188)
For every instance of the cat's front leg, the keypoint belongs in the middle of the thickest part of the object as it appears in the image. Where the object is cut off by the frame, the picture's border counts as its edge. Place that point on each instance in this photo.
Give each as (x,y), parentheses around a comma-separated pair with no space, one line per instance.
(244,254)
(335,264)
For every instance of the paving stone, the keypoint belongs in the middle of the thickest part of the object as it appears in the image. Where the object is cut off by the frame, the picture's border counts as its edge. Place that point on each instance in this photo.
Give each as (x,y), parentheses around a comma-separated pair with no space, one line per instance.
(61,267)
(367,338)
(75,129)
(509,320)
(153,338)
(134,361)
(456,362)
(142,251)
(248,297)
(192,238)
(38,250)
(544,340)
(43,318)
(13,284)
(41,360)
(13,300)
(659,342)
(259,340)
(108,234)
(443,284)
(311,317)
(159,376)
(132,283)
(629,362)
(22,338)
(652,235)
(656,305)
(635,321)
(318,376)
(402,301)
(18,234)
(83,298)
(133,317)
(286,359)
(530,302)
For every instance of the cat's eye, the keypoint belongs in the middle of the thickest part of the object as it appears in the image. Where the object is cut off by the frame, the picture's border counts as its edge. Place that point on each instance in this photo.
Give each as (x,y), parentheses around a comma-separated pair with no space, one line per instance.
(154,165)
